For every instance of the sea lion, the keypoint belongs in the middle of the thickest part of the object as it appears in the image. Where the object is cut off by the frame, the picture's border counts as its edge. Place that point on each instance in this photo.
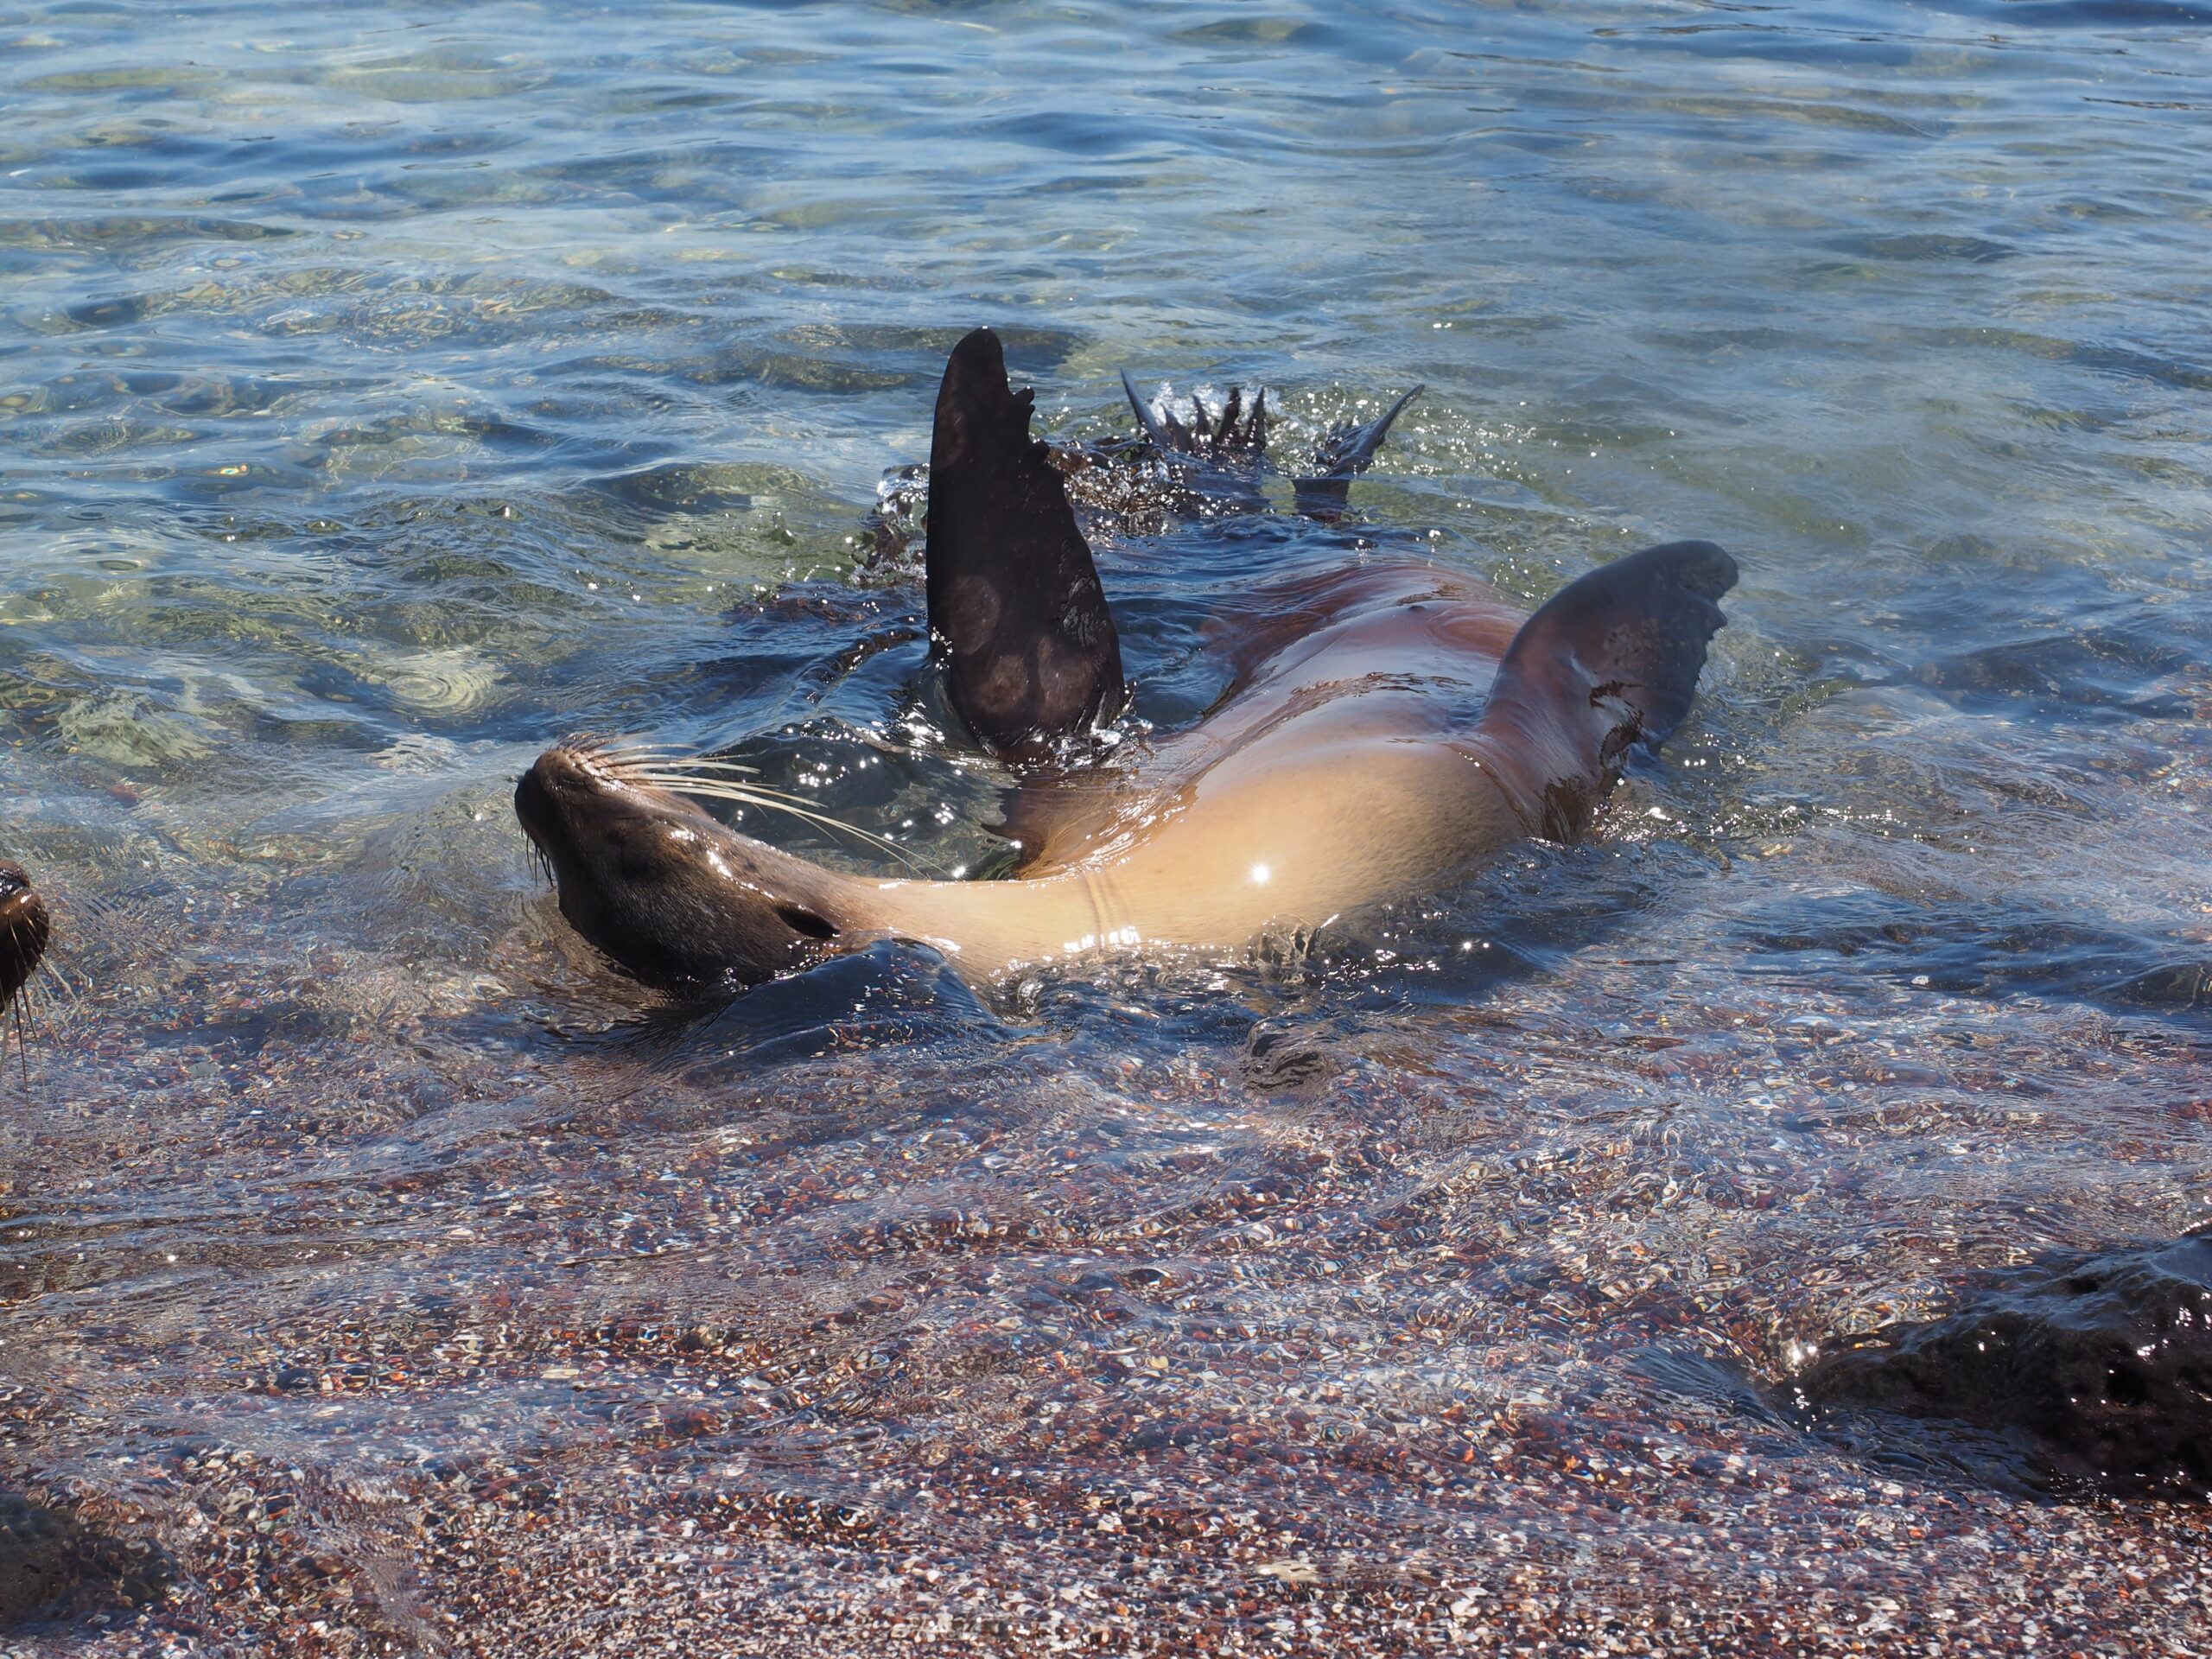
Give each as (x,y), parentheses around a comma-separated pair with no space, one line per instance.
(1341,771)
(24,931)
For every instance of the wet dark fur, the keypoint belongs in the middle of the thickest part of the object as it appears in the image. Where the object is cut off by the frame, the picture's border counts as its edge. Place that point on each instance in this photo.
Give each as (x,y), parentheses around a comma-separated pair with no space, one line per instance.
(744,918)
(1610,662)
(25,934)
(25,931)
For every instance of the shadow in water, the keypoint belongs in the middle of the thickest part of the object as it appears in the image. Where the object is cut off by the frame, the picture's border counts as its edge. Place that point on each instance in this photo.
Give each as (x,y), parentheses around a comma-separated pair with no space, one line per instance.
(2089,674)
(892,994)
(1921,1449)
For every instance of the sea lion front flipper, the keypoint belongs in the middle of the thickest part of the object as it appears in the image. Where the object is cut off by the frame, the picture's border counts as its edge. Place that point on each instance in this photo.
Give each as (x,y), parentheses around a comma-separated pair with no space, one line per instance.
(1347,452)
(1611,660)
(1015,603)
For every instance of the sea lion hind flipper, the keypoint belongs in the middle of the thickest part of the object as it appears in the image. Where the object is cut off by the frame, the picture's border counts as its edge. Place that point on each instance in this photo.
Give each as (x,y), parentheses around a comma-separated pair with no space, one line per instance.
(1233,436)
(1015,609)
(1610,660)
(1347,451)
(1159,424)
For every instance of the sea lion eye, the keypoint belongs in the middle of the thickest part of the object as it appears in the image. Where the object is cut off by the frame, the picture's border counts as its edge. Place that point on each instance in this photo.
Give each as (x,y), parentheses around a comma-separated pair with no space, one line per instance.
(806,922)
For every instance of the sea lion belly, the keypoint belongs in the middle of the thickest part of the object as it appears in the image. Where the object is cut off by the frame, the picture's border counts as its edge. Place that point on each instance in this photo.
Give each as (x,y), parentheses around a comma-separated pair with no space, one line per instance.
(1352,803)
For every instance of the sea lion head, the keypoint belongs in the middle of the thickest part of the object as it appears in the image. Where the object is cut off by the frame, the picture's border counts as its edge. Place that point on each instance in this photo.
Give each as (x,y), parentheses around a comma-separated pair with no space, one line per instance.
(678,900)
(23,931)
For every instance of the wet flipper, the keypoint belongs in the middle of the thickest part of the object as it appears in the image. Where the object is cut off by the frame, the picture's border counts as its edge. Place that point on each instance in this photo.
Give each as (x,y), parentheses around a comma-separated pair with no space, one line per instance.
(1346,453)
(1231,446)
(1610,662)
(1015,609)
(1232,436)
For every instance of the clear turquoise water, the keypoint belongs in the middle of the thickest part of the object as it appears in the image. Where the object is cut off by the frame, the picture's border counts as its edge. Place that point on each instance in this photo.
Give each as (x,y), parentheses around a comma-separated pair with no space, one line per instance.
(389,390)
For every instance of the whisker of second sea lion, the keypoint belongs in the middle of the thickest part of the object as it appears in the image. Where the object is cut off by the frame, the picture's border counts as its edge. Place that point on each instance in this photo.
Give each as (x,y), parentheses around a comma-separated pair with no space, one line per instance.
(20,1016)
(600,746)
(637,745)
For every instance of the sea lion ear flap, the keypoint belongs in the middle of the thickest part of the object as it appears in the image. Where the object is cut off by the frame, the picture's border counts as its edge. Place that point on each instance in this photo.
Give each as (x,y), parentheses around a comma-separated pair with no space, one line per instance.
(1016,607)
(1610,661)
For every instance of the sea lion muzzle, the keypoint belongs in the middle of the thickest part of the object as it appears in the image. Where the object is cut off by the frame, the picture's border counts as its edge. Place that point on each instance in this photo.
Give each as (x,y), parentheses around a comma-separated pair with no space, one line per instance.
(680,901)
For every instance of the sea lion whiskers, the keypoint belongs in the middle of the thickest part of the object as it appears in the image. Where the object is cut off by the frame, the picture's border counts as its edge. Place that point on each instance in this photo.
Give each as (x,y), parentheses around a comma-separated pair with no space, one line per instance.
(542,861)
(699,763)
(23,1020)
(670,769)
(772,800)
(616,749)
(19,1017)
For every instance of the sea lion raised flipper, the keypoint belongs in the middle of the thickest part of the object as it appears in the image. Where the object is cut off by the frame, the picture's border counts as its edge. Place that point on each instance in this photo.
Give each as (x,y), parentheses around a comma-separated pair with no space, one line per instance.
(1610,661)
(1231,446)
(1347,451)
(1030,654)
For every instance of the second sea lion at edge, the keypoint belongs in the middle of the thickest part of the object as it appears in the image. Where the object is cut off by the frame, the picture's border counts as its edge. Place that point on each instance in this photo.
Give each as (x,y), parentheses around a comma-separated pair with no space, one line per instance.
(1340,772)
(24,931)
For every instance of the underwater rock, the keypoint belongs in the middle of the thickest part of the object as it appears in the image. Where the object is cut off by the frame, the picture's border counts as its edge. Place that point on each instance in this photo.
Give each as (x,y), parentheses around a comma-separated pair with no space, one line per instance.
(37,1561)
(2102,1372)
(52,1566)
(1288,1058)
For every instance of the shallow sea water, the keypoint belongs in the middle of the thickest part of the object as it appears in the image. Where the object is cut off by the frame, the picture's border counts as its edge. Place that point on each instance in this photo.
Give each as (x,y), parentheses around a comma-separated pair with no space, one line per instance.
(386,391)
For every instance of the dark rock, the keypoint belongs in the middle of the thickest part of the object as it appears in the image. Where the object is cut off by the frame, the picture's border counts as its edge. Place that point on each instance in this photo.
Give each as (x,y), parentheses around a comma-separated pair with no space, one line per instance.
(52,1565)
(38,1559)
(2102,1372)
(1298,1059)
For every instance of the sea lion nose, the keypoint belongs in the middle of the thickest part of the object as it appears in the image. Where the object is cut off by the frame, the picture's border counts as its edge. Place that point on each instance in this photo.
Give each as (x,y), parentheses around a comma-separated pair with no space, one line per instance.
(568,770)
(556,773)
(562,766)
